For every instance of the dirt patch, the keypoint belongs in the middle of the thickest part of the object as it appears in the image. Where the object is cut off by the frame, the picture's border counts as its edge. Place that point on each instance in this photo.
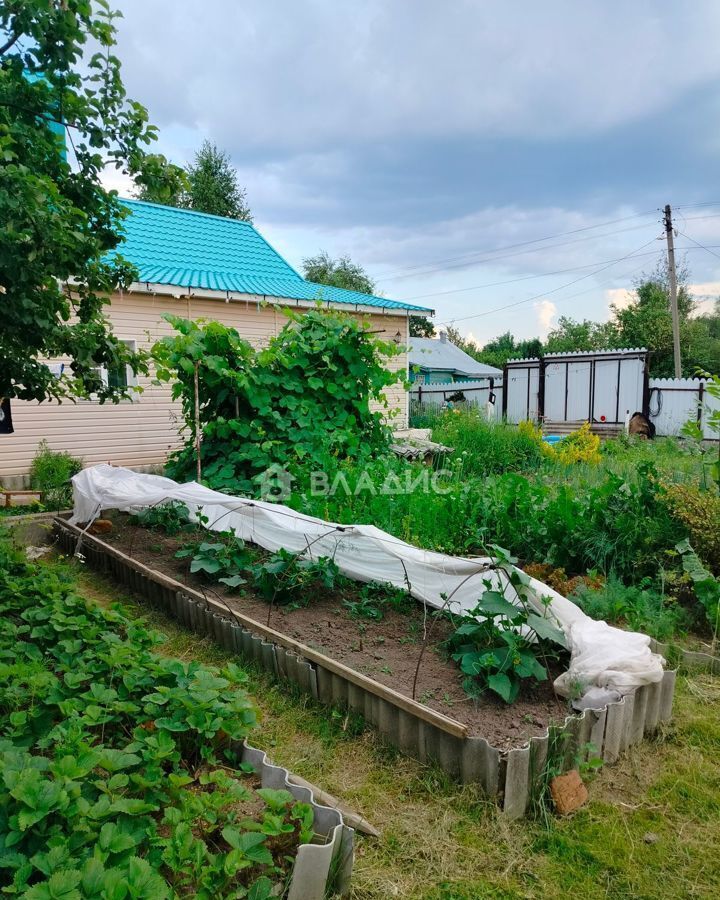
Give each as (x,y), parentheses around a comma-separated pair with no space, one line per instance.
(387,650)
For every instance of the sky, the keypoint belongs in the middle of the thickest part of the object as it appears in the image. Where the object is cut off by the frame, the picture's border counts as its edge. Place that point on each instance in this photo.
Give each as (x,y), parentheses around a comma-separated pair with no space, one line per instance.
(502,163)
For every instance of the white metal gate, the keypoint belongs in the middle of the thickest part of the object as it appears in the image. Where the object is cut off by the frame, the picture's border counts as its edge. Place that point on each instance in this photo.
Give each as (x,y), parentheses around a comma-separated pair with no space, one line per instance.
(597,387)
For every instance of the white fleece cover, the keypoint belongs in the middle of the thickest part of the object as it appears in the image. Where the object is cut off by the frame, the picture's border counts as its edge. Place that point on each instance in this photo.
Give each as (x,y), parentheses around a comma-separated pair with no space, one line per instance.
(605,662)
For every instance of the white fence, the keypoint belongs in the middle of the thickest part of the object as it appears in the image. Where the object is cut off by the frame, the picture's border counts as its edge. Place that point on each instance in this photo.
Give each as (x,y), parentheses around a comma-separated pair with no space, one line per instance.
(522,383)
(675,400)
(600,387)
(574,387)
(475,393)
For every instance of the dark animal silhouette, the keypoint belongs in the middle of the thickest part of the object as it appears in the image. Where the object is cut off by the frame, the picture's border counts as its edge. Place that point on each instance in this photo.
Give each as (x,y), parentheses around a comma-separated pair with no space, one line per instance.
(641,426)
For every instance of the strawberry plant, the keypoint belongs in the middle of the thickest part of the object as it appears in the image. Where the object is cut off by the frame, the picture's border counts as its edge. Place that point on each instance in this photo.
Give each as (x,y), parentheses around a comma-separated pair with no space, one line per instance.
(119,773)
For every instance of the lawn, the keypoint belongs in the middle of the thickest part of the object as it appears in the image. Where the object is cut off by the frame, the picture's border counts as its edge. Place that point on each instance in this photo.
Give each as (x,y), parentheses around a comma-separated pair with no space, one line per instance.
(650,826)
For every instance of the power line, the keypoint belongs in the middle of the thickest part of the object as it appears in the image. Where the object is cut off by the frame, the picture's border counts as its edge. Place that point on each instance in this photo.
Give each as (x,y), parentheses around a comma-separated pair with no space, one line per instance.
(412,270)
(559,299)
(399,272)
(540,275)
(696,205)
(554,290)
(524,252)
(701,246)
(476,287)
(488,284)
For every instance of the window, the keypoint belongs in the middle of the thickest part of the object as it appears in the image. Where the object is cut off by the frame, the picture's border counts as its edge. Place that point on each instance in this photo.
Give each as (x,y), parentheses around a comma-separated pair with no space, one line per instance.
(120,377)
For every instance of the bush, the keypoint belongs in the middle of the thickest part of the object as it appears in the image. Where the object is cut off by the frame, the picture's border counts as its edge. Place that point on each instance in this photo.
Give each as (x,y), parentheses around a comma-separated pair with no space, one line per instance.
(582,446)
(306,395)
(51,472)
(699,512)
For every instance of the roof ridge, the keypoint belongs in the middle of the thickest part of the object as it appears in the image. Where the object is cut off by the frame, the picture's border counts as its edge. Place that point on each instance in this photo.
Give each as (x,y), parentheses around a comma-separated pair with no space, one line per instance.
(192,212)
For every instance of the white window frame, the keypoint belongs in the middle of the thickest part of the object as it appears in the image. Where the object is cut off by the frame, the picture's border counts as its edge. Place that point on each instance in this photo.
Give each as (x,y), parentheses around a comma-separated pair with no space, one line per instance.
(132,379)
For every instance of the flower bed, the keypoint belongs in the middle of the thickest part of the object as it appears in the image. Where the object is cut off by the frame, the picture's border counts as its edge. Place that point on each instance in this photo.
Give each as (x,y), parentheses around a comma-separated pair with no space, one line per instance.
(125,770)
(513,775)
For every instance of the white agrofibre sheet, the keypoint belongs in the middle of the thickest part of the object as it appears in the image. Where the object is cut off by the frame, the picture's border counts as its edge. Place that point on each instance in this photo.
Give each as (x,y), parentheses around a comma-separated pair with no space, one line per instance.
(605,662)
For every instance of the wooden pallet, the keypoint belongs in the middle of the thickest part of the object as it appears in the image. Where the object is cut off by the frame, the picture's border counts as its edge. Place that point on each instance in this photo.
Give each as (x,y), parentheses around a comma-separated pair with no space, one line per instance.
(603,429)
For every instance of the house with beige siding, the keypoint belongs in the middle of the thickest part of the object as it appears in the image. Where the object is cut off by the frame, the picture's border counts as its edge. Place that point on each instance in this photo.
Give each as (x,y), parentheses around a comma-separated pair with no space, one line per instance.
(196,266)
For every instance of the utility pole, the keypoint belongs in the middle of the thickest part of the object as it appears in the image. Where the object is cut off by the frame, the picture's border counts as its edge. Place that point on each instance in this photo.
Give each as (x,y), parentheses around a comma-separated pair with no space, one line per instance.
(672,276)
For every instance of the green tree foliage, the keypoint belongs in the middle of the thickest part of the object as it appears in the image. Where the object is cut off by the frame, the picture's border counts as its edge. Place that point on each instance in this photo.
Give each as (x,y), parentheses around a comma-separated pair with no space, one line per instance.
(421,326)
(497,352)
(571,335)
(342,273)
(58,222)
(209,184)
(161,181)
(647,322)
(213,185)
(306,396)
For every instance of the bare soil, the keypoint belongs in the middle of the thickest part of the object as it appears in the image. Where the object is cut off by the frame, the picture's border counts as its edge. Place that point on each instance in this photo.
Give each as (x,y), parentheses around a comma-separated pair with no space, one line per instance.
(387,650)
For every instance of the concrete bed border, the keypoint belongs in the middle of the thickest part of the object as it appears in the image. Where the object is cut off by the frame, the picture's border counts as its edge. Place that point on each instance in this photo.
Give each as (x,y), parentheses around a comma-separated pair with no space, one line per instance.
(690,660)
(319,869)
(513,777)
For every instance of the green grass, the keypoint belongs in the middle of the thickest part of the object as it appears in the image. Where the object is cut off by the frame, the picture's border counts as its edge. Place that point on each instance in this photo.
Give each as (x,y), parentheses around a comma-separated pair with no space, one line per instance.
(650,828)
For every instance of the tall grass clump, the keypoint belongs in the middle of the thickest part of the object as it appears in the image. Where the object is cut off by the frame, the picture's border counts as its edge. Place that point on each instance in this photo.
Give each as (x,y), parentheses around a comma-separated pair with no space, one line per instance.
(639,608)
(50,472)
(488,446)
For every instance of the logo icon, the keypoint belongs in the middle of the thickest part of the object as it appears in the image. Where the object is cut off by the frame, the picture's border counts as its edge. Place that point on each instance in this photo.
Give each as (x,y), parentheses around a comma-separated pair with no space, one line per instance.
(274,484)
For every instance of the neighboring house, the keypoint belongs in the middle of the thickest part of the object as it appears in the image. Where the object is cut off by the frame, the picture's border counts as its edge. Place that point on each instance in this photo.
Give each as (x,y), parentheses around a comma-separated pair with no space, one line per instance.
(196,266)
(437,361)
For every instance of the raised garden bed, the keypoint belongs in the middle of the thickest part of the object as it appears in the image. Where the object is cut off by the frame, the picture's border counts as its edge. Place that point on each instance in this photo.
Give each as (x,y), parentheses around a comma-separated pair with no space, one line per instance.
(387,650)
(511,764)
(123,766)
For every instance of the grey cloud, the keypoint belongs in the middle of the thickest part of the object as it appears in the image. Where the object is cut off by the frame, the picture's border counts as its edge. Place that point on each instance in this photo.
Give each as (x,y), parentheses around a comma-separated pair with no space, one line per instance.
(296,75)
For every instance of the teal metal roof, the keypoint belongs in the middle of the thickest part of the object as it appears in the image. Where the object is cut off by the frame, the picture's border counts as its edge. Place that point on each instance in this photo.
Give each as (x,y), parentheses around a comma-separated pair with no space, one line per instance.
(188,249)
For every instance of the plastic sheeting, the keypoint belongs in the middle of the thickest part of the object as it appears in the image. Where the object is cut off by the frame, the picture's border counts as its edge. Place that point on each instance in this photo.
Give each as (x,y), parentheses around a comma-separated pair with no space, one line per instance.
(605,662)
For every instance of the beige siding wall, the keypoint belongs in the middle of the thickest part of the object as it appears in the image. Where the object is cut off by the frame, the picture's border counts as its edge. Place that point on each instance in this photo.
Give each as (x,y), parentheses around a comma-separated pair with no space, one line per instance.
(142,432)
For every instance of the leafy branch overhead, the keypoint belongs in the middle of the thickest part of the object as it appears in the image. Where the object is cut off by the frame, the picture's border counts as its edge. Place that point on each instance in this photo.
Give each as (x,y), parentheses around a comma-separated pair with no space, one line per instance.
(308,394)
(60,102)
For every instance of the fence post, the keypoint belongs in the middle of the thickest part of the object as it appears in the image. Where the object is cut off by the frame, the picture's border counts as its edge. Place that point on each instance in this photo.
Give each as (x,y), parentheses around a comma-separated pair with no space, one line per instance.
(505,391)
(701,393)
(541,388)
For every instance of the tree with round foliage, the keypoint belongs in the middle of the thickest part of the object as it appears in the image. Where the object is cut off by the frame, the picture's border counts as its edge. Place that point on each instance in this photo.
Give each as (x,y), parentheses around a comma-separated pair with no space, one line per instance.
(341,273)
(421,326)
(64,118)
